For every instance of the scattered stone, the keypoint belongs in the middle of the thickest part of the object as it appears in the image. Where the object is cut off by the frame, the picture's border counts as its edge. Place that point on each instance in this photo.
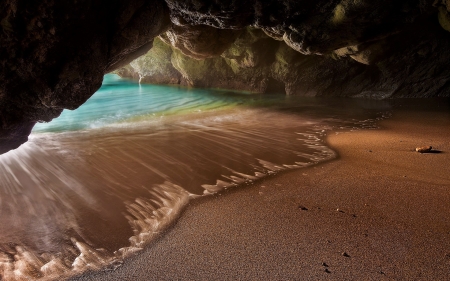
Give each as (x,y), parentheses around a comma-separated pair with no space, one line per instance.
(339,210)
(370,150)
(353,215)
(325,264)
(423,149)
(327,271)
(344,254)
(303,208)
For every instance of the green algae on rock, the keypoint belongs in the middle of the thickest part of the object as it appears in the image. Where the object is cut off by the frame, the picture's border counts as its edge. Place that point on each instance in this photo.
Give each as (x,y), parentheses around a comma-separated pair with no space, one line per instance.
(257,62)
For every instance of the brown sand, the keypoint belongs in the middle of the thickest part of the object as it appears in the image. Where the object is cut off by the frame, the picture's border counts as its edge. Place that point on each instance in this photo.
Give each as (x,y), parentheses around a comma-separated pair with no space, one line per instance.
(383,204)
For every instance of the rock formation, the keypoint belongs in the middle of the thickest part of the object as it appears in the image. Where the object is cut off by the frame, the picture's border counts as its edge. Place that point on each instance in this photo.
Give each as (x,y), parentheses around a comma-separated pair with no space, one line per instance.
(256,62)
(54,53)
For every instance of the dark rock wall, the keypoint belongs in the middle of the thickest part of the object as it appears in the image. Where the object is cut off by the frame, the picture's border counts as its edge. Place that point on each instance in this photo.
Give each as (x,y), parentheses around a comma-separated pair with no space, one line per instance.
(408,63)
(54,53)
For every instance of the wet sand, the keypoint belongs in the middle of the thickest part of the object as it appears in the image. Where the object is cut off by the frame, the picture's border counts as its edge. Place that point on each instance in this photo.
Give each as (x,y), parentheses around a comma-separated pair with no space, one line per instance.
(379,212)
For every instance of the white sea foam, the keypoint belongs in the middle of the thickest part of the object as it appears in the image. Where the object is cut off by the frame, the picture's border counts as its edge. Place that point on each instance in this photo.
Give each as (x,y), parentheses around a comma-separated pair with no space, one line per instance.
(87,199)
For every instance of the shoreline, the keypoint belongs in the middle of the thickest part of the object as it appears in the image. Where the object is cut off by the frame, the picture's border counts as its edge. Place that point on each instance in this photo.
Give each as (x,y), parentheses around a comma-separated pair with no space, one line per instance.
(378,212)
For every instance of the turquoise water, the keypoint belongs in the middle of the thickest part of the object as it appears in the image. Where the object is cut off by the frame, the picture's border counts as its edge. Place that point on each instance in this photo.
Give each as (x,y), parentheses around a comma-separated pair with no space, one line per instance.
(121,100)
(99,183)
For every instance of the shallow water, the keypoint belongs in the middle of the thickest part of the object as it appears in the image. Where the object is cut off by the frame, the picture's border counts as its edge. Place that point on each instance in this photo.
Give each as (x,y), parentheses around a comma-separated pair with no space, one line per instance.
(102,181)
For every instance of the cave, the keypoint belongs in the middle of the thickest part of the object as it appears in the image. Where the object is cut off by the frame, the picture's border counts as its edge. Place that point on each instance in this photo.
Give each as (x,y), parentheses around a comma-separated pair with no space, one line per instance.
(55,54)
(343,64)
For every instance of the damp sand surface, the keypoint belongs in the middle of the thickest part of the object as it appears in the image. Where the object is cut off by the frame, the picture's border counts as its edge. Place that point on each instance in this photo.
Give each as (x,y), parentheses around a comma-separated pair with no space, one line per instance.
(378,212)
(89,190)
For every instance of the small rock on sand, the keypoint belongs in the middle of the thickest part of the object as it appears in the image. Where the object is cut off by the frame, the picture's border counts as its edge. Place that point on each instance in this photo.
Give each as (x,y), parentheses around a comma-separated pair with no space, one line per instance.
(344,254)
(303,208)
(423,149)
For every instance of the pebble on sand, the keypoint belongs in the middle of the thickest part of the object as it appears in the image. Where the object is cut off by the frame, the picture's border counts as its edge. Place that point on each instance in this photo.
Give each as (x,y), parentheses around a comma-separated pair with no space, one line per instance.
(344,254)
(423,149)
(303,208)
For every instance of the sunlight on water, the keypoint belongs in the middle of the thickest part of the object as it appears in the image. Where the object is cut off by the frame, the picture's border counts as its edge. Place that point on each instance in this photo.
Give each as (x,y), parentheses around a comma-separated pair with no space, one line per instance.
(121,100)
(101,182)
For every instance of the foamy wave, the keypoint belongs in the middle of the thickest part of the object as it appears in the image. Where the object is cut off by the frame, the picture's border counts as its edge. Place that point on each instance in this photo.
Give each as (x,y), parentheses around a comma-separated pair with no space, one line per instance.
(147,217)
(137,181)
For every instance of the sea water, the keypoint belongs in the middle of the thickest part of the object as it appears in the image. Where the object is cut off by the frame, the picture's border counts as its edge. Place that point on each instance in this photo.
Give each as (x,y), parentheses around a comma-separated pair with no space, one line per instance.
(99,183)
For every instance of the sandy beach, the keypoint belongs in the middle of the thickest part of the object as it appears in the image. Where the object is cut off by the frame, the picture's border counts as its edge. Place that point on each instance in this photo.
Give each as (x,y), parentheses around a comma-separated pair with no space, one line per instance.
(378,212)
